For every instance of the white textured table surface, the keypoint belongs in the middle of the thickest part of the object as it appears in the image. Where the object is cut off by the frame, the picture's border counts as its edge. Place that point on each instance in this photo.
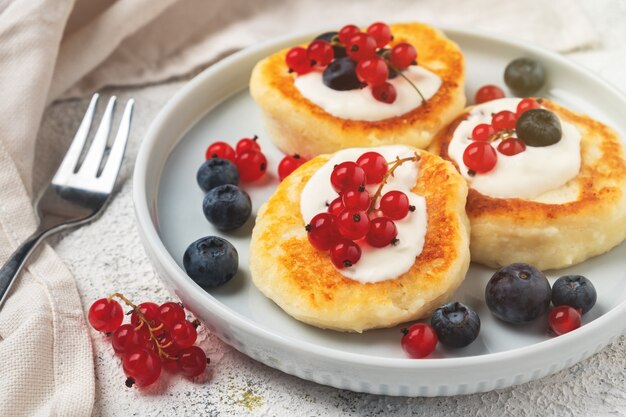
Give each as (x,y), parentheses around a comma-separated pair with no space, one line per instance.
(107,256)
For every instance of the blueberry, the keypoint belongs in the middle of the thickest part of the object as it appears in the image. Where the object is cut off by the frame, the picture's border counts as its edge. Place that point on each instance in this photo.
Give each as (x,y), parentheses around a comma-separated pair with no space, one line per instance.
(330,37)
(456,324)
(524,76)
(518,293)
(538,127)
(575,291)
(211,261)
(217,171)
(341,75)
(227,207)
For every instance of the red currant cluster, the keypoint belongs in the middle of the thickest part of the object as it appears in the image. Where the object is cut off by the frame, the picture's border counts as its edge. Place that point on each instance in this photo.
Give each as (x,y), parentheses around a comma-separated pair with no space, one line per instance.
(480,156)
(247,156)
(156,337)
(374,62)
(355,215)
(289,164)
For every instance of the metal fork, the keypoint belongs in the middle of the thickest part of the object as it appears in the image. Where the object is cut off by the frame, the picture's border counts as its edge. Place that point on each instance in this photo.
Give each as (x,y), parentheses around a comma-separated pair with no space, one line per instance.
(77,193)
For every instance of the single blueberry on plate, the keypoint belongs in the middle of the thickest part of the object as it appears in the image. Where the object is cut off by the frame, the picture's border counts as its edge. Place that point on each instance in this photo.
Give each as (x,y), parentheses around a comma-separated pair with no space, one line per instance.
(575,291)
(341,75)
(215,172)
(524,76)
(211,261)
(330,37)
(456,324)
(518,293)
(227,207)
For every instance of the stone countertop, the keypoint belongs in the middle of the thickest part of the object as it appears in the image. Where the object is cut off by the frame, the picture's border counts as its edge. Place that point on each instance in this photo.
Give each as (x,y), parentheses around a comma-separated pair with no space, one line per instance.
(107,256)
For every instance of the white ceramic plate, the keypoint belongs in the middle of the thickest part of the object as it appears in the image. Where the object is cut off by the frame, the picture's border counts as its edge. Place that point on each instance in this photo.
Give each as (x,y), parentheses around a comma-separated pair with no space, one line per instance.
(216,105)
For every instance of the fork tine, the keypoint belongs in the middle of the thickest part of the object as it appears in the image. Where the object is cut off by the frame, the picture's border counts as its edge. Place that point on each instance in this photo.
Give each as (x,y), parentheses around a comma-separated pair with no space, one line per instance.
(91,164)
(114,161)
(68,165)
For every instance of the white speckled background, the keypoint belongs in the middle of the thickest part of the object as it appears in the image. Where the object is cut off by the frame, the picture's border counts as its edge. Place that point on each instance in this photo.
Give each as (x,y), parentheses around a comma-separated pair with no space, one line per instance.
(107,256)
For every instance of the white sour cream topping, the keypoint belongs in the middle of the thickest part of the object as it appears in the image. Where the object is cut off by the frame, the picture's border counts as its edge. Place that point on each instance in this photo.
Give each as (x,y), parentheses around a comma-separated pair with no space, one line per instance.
(376,264)
(529,174)
(359,104)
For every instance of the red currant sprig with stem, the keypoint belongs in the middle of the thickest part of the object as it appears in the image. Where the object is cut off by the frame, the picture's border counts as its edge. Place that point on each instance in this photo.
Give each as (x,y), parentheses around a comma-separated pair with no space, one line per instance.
(157,337)
(390,171)
(145,322)
(398,59)
(352,217)
(368,49)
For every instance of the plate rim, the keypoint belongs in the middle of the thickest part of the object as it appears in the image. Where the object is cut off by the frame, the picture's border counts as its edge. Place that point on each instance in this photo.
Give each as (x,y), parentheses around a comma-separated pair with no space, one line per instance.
(153,242)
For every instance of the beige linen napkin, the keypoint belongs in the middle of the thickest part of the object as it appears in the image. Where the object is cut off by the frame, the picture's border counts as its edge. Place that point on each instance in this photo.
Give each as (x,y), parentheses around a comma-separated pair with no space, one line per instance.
(50,48)
(193,33)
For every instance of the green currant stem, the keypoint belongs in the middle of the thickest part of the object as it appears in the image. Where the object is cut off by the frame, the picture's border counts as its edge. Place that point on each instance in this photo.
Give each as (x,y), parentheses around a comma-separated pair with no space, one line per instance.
(394,165)
(407,79)
(144,321)
(503,134)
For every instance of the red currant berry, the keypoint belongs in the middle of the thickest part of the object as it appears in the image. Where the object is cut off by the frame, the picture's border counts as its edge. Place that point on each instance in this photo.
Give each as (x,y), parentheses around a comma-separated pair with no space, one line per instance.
(382,232)
(126,337)
(347,175)
(298,60)
(357,199)
(345,253)
(526,104)
(169,347)
(191,361)
(381,33)
(149,310)
(353,224)
(385,93)
(403,55)
(347,32)
(374,165)
(395,205)
(322,231)
(171,313)
(488,93)
(289,164)
(121,336)
(220,150)
(373,71)
(321,52)
(248,144)
(105,315)
(482,131)
(183,334)
(170,364)
(336,206)
(142,366)
(361,46)
(251,165)
(511,146)
(564,319)
(480,157)
(419,340)
(504,120)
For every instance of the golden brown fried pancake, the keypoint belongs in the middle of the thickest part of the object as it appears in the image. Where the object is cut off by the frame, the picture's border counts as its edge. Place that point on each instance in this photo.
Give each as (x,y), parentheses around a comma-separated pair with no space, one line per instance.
(587,219)
(303,281)
(299,126)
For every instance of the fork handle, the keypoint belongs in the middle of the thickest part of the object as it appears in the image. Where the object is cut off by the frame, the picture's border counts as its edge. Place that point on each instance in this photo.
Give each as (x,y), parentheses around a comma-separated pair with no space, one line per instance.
(15,263)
